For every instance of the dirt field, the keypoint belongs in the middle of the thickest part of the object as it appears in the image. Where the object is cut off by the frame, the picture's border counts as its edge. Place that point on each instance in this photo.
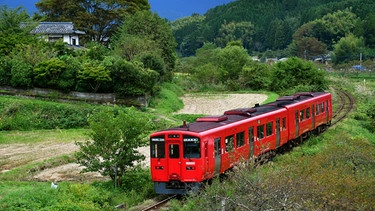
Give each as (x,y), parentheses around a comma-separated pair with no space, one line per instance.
(15,155)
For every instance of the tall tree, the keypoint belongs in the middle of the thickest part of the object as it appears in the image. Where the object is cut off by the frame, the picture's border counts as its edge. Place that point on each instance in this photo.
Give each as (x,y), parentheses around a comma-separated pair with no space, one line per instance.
(12,32)
(98,18)
(115,134)
(348,48)
(148,28)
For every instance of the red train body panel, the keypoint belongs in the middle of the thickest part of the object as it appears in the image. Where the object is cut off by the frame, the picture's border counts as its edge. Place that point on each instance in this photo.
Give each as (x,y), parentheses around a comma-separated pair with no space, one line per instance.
(184,157)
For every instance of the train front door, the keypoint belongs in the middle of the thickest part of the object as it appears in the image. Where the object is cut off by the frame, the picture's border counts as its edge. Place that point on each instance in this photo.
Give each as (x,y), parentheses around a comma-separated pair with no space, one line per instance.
(174,161)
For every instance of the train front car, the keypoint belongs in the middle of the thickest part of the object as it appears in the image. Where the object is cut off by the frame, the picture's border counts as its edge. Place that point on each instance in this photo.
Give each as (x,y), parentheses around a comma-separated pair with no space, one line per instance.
(176,162)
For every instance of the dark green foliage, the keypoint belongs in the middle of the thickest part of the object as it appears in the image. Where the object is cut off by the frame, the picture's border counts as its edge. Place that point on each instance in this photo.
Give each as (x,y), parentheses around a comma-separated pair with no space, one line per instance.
(347,49)
(22,74)
(153,61)
(295,72)
(132,79)
(96,51)
(94,74)
(371,114)
(5,71)
(255,76)
(151,28)
(274,22)
(11,32)
(47,73)
(21,114)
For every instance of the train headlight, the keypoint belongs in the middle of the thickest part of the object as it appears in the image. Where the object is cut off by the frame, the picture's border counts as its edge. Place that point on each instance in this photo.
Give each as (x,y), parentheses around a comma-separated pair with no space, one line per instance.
(190,167)
(159,167)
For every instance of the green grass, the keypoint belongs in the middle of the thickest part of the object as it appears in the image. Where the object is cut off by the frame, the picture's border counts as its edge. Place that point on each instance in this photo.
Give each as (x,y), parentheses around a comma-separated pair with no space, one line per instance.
(37,136)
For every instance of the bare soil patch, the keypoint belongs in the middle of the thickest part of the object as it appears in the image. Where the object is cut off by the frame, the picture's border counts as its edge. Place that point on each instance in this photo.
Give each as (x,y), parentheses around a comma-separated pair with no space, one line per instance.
(15,155)
(216,104)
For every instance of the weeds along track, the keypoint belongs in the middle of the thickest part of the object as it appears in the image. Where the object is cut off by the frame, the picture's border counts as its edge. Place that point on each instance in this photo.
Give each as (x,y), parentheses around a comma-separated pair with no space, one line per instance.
(346,105)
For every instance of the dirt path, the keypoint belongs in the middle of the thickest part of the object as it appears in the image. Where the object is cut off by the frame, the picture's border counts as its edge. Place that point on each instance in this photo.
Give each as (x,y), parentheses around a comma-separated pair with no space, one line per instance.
(15,155)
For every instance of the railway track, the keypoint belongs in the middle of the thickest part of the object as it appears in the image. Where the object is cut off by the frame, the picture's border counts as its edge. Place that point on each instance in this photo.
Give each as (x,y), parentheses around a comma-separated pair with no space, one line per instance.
(346,105)
(160,204)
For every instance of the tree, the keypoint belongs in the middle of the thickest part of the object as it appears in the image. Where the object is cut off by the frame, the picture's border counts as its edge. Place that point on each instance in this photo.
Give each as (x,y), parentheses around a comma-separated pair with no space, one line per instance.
(115,134)
(233,31)
(295,72)
(98,18)
(94,74)
(348,49)
(232,59)
(369,30)
(11,32)
(132,79)
(150,28)
(255,76)
(47,73)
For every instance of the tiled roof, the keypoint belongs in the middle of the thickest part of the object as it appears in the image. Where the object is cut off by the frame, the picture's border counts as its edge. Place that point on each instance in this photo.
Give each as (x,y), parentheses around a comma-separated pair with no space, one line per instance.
(56,28)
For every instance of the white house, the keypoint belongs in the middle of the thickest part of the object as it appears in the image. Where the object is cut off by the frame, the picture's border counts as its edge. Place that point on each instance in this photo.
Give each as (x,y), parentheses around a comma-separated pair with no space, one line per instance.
(54,31)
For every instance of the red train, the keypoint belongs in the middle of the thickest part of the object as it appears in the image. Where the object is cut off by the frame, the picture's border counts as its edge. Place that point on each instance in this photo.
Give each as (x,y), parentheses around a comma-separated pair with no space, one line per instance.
(184,157)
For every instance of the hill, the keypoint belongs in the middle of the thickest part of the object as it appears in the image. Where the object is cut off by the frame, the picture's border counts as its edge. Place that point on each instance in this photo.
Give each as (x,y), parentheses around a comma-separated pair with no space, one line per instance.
(273,22)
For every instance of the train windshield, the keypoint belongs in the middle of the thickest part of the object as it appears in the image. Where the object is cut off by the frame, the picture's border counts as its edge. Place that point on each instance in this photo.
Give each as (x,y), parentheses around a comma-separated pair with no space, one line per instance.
(192,147)
(157,146)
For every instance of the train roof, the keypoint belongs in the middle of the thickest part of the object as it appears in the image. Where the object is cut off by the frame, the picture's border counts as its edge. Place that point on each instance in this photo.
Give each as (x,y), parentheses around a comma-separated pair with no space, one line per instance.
(235,115)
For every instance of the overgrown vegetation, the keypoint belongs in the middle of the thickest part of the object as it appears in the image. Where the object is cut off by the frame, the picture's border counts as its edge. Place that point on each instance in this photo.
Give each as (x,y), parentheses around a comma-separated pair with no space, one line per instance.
(24,114)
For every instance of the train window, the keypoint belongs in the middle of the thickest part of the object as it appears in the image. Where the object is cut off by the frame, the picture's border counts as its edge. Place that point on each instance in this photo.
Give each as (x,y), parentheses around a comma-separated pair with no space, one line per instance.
(269,130)
(174,151)
(251,134)
(240,139)
(260,131)
(322,108)
(229,143)
(157,147)
(302,115)
(307,113)
(192,147)
(317,109)
(284,123)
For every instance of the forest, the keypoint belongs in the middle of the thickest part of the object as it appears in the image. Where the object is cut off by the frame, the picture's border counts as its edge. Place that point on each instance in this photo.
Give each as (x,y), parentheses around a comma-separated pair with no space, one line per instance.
(280,28)
(132,51)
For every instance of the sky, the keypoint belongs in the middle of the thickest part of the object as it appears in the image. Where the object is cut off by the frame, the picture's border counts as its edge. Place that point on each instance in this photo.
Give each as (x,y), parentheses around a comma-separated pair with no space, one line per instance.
(169,9)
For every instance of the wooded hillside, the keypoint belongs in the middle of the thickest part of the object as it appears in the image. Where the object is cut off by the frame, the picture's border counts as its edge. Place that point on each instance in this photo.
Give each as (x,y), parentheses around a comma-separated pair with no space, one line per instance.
(270,25)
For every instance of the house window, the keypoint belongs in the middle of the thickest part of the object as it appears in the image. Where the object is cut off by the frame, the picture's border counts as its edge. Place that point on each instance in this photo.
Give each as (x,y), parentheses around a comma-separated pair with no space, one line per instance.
(74,41)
